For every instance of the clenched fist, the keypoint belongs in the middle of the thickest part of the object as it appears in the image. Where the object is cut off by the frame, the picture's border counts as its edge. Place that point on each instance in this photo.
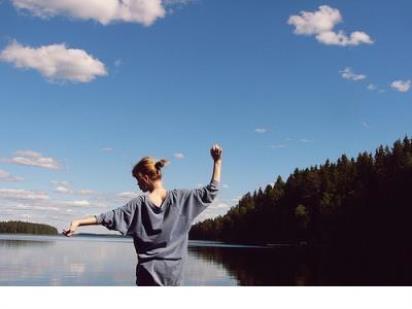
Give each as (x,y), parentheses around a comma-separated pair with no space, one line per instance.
(216,152)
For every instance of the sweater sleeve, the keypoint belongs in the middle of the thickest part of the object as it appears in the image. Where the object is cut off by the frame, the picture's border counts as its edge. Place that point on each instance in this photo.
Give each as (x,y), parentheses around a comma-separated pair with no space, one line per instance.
(205,195)
(120,219)
(197,200)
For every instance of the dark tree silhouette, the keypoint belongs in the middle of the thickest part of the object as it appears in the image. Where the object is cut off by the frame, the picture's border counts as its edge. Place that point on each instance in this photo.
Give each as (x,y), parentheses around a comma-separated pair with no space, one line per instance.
(362,200)
(19,227)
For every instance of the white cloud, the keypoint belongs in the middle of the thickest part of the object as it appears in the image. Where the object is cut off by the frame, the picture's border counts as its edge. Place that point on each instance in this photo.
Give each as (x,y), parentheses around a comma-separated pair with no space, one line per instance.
(80,203)
(305,140)
(65,187)
(347,73)
(225,186)
(321,24)
(341,39)
(401,85)
(37,206)
(31,207)
(32,158)
(236,199)
(261,130)
(21,194)
(6,176)
(127,195)
(217,208)
(310,23)
(107,149)
(62,187)
(55,62)
(179,155)
(144,12)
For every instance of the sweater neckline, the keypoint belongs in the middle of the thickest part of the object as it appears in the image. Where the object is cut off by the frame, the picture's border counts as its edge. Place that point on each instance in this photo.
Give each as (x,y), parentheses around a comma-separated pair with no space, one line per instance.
(162,205)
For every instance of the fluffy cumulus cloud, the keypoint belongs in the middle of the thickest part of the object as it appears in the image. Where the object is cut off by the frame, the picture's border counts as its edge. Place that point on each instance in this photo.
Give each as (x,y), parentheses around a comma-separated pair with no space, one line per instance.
(347,73)
(144,12)
(321,24)
(55,62)
(32,158)
(312,23)
(401,85)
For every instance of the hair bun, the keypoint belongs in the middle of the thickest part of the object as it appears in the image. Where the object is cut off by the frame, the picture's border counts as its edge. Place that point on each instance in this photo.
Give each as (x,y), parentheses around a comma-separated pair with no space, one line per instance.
(159,164)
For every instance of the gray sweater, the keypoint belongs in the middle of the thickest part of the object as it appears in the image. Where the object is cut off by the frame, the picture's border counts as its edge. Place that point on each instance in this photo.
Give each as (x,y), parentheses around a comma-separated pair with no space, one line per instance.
(160,233)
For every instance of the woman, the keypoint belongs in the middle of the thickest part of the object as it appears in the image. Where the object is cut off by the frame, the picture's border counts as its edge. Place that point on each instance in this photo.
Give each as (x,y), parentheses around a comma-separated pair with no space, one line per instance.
(159,222)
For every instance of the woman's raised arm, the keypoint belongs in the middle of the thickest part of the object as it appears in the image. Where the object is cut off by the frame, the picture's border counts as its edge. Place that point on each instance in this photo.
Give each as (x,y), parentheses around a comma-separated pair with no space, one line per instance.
(216,153)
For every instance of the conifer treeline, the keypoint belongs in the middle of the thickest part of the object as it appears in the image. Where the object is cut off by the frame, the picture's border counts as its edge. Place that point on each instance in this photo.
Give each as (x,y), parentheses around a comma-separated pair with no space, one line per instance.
(11,227)
(363,200)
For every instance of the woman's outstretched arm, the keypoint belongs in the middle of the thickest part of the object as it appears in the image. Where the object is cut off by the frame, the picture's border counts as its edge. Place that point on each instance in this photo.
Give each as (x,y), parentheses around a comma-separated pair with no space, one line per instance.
(119,219)
(79,222)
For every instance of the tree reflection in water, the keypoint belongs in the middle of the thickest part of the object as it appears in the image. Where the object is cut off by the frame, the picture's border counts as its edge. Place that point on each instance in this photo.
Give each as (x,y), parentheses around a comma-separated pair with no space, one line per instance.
(313,265)
(261,266)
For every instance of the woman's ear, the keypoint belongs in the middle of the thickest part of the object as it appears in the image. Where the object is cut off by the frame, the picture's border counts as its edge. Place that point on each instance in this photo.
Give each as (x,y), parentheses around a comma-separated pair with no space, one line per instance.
(147,181)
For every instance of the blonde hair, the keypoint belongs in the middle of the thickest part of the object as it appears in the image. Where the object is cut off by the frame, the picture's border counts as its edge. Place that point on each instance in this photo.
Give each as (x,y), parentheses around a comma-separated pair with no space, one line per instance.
(149,166)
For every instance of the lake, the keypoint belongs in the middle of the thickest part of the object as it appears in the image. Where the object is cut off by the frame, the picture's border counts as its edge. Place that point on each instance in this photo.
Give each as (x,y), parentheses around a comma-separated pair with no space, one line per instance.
(107,261)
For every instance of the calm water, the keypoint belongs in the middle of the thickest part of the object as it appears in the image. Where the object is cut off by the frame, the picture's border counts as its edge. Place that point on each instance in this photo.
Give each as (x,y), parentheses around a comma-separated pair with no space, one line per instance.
(57,260)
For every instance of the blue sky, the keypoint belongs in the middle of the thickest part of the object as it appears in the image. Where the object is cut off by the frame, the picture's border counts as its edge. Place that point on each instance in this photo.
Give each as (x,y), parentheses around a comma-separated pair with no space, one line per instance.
(171,78)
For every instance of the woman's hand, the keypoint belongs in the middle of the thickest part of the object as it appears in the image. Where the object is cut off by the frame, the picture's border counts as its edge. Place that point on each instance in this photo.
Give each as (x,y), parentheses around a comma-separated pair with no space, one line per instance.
(72,229)
(216,152)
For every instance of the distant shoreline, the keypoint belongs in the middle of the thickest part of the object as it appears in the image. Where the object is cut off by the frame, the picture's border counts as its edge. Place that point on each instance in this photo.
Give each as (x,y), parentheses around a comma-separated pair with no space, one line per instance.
(192,242)
(21,227)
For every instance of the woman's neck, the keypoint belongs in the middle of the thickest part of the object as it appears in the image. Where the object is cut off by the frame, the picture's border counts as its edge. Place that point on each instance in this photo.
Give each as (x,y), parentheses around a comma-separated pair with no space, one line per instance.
(158,190)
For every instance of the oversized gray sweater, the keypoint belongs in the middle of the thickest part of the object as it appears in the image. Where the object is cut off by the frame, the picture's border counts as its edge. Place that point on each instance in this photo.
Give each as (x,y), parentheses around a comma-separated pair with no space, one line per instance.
(160,233)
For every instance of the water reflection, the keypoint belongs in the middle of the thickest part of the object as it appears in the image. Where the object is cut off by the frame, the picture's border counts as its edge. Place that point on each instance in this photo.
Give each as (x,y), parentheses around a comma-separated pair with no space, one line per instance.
(23,243)
(97,261)
(257,266)
(57,261)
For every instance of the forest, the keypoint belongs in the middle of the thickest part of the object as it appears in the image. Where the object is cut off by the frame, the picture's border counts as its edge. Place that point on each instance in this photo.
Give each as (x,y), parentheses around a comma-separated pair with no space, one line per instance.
(20,227)
(364,200)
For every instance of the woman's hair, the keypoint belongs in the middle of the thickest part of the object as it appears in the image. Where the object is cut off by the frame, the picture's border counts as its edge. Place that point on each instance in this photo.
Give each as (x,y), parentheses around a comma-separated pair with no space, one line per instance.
(149,166)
